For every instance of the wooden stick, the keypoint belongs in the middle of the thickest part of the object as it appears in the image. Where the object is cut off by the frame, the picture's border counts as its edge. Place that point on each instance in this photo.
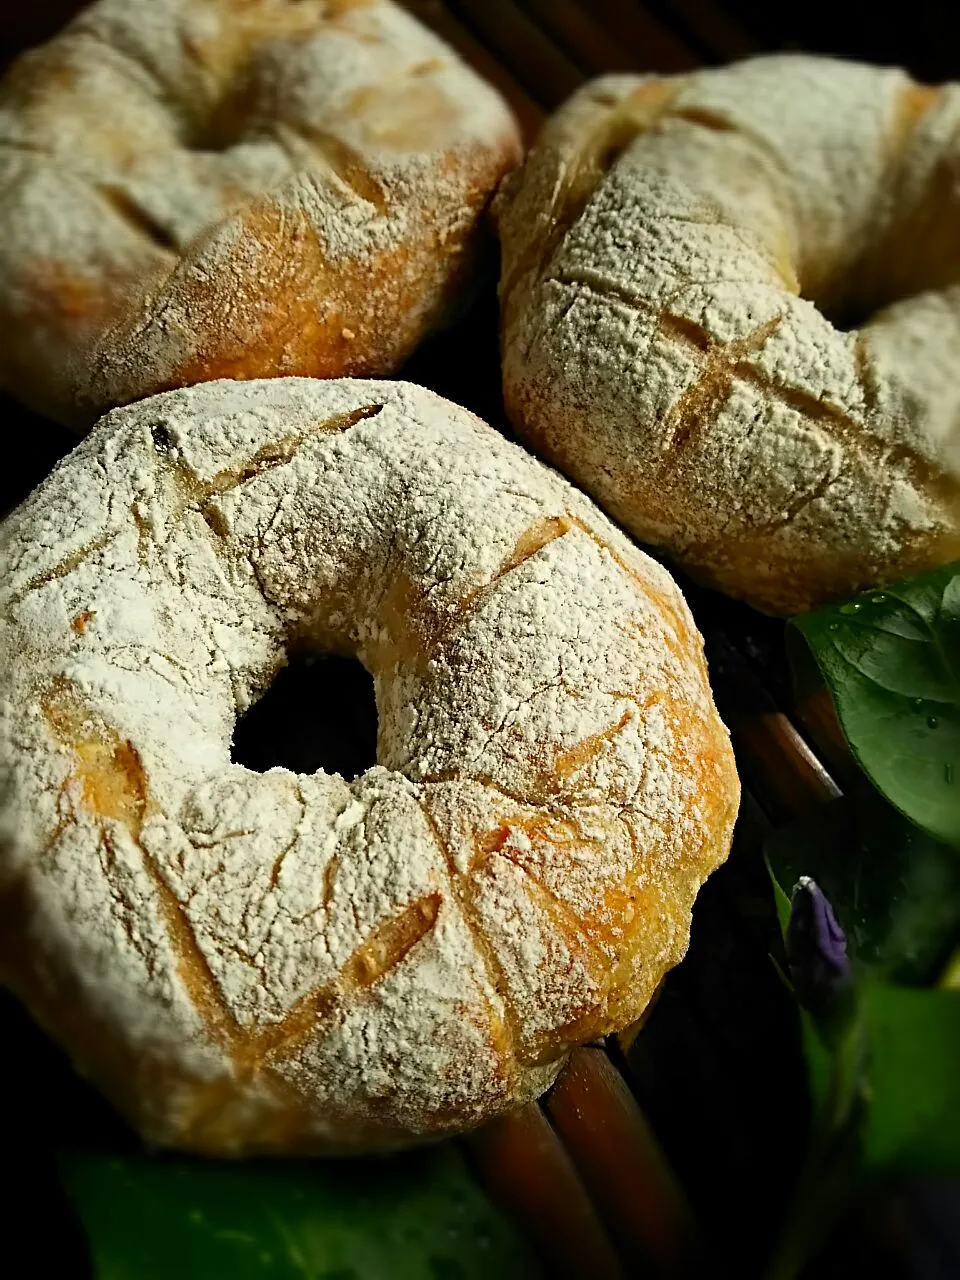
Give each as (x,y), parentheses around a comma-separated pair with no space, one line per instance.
(584,39)
(529,53)
(650,45)
(818,716)
(527,1171)
(630,1180)
(437,16)
(788,772)
(714,28)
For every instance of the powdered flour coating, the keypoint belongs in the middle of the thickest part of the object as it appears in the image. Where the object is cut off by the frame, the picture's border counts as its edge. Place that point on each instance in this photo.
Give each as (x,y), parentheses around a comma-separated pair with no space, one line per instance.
(670,248)
(197,189)
(268,961)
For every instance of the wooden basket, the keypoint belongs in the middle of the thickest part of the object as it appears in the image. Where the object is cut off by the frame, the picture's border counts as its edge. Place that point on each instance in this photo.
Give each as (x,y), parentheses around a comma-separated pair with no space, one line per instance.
(667,1150)
(672,1152)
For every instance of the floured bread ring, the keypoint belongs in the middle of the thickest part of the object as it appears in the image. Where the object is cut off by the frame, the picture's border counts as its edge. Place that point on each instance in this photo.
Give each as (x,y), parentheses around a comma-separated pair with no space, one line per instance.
(197,189)
(271,961)
(666,248)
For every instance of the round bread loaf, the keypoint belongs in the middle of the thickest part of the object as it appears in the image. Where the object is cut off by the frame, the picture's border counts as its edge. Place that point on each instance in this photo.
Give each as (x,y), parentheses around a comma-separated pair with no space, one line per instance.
(197,189)
(731,311)
(278,962)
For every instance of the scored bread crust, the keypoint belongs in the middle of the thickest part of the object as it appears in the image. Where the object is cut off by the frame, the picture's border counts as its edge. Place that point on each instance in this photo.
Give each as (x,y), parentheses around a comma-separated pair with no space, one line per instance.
(278,962)
(672,249)
(199,189)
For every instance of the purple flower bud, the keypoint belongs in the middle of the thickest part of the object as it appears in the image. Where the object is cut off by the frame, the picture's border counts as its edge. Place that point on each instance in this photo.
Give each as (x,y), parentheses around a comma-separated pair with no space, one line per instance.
(816,948)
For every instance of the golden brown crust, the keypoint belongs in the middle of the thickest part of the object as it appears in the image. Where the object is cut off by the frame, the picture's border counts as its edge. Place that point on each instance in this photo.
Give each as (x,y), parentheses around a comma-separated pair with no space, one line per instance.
(290,962)
(376,305)
(191,191)
(661,346)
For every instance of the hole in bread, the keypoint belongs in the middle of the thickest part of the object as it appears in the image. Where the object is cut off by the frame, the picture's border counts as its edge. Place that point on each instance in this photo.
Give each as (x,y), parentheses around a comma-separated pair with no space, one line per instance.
(848,315)
(320,712)
(908,245)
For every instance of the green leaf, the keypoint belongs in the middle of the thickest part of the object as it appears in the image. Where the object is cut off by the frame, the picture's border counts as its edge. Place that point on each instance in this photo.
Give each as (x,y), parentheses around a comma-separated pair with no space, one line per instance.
(781,894)
(417,1217)
(887,1103)
(950,975)
(913,1073)
(891,660)
(895,891)
(888,1086)
(820,1068)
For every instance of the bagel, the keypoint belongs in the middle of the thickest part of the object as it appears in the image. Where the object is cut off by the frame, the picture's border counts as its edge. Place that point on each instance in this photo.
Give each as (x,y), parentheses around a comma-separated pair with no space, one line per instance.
(673,250)
(201,189)
(278,962)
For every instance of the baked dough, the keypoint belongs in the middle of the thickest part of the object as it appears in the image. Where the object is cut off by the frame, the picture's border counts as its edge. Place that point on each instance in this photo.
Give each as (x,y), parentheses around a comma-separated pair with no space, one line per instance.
(672,250)
(197,189)
(278,962)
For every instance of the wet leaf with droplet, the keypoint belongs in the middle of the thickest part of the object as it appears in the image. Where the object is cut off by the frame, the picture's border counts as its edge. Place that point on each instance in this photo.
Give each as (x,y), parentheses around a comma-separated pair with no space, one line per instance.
(892,665)
(895,890)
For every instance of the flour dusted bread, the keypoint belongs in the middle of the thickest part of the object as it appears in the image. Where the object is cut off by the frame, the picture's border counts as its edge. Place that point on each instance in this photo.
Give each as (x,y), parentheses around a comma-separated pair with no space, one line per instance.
(672,250)
(195,189)
(275,962)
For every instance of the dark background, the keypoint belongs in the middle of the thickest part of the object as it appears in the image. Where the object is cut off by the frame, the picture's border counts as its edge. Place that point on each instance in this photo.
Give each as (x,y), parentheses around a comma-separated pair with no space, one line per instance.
(717,1069)
(661,35)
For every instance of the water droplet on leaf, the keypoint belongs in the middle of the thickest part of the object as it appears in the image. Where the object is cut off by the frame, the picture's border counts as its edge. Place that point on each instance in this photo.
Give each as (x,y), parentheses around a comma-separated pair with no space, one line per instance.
(853,607)
(931,722)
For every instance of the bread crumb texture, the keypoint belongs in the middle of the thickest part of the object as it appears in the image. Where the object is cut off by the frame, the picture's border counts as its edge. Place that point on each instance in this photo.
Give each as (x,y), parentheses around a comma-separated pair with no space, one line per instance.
(199,189)
(278,962)
(731,312)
